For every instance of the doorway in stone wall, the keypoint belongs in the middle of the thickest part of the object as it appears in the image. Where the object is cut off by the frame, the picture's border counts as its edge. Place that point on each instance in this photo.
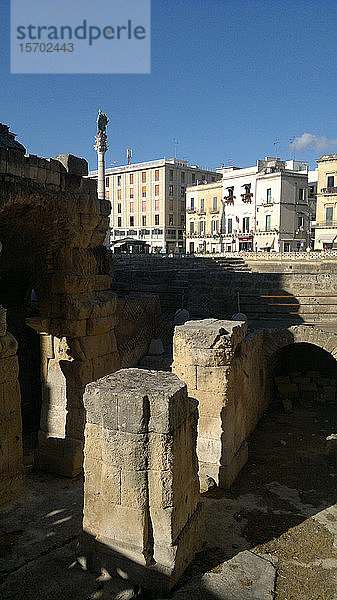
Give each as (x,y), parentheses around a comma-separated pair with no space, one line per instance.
(21,303)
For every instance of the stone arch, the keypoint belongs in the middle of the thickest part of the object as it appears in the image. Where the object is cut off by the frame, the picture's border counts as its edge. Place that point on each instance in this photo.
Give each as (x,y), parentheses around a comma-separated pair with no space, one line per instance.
(52,229)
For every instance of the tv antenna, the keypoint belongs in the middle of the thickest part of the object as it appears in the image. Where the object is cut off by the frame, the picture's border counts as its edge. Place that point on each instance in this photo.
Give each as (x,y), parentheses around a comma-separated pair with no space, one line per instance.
(276,146)
(291,145)
(175,143)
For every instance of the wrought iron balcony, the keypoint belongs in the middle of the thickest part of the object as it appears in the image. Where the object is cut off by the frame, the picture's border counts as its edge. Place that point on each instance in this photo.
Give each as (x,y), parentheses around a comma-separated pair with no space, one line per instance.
(329,190)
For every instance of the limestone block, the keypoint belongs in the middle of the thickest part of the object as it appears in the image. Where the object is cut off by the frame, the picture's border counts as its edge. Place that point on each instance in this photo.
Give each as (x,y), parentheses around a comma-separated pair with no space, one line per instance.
(212,379)
(141,473)
(9,368)
(92,346)
(102,365)
(100,326)
(8,345)
(134,489)
(210,427)
(186,373)
(105,304)
(73,164)
(209,450)
(210,403)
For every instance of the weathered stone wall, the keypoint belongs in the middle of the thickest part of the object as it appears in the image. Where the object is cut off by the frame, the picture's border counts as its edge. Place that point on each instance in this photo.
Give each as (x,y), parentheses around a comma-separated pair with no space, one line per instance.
(211,288)
(52,227)
(11,467)
(231,375)
(141,494)
(137,320)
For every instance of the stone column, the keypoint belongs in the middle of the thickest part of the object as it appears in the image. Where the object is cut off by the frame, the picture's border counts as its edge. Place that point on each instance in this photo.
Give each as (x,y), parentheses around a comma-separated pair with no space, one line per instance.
(202,356)
(11,459)
(141,497)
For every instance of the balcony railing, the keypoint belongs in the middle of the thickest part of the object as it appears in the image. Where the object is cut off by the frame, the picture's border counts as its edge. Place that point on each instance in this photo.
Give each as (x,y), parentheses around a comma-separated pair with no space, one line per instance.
(329,190)
(247,197)
(324,224)
(229,199)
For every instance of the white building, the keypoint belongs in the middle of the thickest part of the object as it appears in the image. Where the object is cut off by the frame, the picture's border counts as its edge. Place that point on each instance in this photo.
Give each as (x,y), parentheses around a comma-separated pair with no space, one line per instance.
(264,208)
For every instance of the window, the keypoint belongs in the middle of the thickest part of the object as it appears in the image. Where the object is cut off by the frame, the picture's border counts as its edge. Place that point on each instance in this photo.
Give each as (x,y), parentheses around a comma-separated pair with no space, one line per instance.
(330,181)
(119,194)
(170,220)
(269,196)
(202,205)
(107,181)
(300,222)
(215,203)
(191,227)
(143,205)
(230,191)
(171,204)
(156,204)
(182,190)
(170,190)
(213,178)
(215,226)
(119,221)
(268,222)
(230,226)
(156,175)
(119,180)
(171,174)
(144,177)
(132,206)
(143,220)
(192,204)
(329,215)
(131,178)
(201,227)
(182,220)
(144,192)
(301,194)
(131,193)
(193,177)
(247,188)
(119,208)
(182,177)
(156,219)
(182,206)
(132,221)
(245,225)
(156,190)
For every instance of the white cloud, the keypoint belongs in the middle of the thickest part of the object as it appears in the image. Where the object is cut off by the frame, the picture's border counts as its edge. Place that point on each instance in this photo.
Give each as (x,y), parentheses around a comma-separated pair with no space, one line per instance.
(309,140)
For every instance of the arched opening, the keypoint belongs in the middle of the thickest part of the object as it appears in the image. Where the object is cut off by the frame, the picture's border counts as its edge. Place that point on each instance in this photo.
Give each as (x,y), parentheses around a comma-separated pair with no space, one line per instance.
(20,301)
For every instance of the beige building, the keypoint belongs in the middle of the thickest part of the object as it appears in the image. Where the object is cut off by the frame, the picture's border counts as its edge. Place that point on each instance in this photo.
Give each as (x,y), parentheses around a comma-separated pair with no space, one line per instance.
(203,221)
(148,201)
(259,208)
(326,211)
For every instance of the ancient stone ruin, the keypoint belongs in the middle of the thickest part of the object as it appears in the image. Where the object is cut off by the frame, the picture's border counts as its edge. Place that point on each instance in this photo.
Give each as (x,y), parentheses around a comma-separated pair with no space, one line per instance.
(69,345)
(141,495)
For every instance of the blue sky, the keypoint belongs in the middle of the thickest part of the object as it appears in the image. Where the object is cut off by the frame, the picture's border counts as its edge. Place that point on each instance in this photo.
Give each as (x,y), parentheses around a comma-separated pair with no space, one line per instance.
(227,80)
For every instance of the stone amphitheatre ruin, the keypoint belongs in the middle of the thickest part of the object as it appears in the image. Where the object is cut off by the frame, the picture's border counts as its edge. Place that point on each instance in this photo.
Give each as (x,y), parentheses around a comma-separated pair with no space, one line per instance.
(72,333)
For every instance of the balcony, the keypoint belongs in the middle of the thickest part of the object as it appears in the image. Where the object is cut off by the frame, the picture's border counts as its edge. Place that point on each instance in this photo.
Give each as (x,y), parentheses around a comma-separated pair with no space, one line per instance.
(324,224)
(190,210)
(329,190)
(229,199)
(247,198)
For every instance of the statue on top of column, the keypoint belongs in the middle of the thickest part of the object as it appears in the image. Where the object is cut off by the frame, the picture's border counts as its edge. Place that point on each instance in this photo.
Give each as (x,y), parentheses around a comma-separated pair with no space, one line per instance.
(102,121)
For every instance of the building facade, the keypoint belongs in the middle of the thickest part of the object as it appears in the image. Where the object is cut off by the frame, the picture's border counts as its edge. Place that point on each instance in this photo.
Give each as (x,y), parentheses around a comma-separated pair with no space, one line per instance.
(148,201)
(326,212)
(261,208)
